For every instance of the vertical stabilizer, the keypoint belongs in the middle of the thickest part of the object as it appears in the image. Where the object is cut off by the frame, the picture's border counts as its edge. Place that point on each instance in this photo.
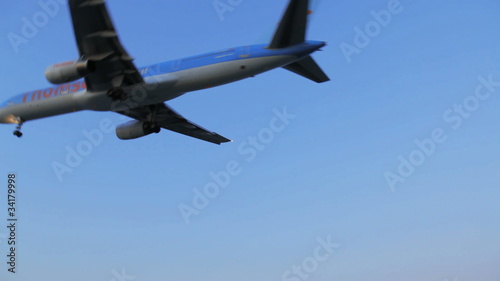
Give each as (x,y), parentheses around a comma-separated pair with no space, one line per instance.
(292,28)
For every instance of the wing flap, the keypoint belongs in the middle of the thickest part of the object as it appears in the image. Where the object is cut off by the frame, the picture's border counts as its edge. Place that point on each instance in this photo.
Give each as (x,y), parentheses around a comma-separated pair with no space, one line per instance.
(88,3)
(102,34)
(98,42)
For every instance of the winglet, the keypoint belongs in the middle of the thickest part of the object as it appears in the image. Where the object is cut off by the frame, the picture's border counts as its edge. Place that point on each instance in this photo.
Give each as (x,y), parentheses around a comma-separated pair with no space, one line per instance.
(292,28)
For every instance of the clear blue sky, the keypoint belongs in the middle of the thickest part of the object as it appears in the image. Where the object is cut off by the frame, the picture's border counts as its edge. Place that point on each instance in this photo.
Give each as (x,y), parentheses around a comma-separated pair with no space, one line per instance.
(324,176)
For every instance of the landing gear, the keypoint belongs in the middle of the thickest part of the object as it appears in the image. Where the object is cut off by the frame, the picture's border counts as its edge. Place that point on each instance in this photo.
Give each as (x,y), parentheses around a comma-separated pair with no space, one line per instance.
(150,127)
(117,94)
(17,132)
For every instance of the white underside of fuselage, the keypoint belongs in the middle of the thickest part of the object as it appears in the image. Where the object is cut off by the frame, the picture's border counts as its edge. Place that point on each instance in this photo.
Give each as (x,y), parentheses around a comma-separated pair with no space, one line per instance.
(157,89)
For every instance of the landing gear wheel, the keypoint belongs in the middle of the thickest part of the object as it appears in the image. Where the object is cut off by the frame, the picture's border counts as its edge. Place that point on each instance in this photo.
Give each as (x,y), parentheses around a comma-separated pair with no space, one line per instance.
(117,94)
(17,132)
(150,128)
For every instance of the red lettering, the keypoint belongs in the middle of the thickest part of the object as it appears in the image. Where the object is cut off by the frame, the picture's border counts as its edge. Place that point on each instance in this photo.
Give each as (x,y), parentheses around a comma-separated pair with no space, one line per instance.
(25,96)
(57,90)
(75,87)
(36,95)
(48,93)
(65,89)
(64,63)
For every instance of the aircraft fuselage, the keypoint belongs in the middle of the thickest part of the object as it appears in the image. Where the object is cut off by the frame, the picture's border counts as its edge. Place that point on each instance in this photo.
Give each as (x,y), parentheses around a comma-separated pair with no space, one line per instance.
(163,82)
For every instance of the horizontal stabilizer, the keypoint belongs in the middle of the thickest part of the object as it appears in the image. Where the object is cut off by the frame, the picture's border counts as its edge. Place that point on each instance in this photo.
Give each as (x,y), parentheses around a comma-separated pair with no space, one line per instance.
(308,68)
(292,28)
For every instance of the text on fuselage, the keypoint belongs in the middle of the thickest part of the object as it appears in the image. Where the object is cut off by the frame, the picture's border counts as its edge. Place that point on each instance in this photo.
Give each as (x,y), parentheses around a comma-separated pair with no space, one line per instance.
(55,91)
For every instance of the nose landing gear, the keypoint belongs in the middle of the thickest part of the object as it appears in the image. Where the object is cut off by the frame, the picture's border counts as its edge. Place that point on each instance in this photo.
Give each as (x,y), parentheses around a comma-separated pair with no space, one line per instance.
(17,132)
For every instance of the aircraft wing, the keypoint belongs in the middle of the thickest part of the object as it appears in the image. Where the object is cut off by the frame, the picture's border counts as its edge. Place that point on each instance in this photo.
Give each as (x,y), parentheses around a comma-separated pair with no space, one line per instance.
(167,118)
(98,42)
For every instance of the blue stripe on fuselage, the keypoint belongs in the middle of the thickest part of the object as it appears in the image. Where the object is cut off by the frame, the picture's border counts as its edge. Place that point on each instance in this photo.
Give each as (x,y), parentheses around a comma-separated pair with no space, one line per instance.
(239,53)
(232,54)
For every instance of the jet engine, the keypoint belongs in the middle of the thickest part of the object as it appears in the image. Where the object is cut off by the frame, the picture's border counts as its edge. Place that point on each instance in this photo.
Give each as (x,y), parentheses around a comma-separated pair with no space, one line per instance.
(135,129)
(68,71)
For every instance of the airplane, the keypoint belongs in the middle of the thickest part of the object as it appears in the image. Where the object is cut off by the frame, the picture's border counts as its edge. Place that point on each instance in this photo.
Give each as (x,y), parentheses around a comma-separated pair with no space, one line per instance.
(105,78)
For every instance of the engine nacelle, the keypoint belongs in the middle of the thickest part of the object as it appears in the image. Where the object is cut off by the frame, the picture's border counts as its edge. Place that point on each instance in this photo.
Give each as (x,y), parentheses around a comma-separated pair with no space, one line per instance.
(67,71)
(135,129)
